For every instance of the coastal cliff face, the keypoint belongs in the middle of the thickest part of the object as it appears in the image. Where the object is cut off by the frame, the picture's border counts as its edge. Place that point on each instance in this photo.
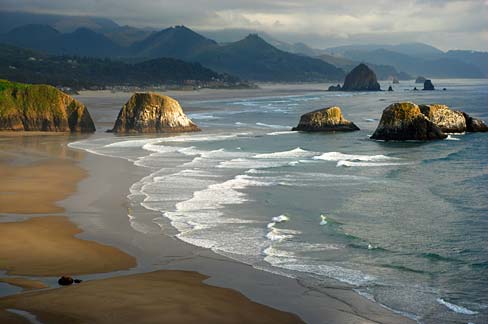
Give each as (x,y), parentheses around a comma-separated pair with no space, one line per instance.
(404,121)
(449,121)
(152,113)
(25,107)
(361,78)
(475,124)
(325,120)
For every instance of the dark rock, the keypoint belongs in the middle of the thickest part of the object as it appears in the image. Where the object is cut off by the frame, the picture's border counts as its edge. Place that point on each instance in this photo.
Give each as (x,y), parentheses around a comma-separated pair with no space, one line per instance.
(152,113)
(415,89)
(25,107)
(428,85)
(335,88)
(361,78)
(77,281)
(474,124)
(390,88)
(449,121)
(404,121)
(444,89)
(420,79)
(325,120)
(65,281)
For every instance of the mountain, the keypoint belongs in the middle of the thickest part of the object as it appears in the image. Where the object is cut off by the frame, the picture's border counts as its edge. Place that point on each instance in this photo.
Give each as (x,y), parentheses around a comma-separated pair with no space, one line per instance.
(478,59)
(127,35)
(38,37)
(83,41)
(24,65)
(177,42)
(254,59)
(411,49)
(12,19)
(442,67)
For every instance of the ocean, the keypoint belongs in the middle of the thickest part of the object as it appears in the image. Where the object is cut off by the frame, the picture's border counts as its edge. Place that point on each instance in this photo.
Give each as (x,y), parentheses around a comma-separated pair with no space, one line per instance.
(405,224)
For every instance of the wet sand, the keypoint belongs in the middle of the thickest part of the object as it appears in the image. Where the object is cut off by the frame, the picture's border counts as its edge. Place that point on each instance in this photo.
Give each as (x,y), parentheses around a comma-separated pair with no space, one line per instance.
(99,209)
(156,297)
(47,246)
(24,283)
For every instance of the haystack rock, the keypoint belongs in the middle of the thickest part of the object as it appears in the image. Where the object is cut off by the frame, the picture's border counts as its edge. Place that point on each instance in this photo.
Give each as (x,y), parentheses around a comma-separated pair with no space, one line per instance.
(325,120)
(25,107)
(449,121)
(428,85)
(361,78)
(152,113)
(404,121)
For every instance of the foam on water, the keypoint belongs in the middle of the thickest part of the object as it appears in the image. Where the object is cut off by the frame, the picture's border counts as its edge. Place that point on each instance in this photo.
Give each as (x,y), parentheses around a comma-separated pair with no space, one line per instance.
(281,133)
(338,156)
(456,308)
(294,153)
(272,126)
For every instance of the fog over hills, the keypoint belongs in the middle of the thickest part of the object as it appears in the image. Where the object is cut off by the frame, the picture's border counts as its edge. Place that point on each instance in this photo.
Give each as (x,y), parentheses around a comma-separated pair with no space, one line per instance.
(266,58)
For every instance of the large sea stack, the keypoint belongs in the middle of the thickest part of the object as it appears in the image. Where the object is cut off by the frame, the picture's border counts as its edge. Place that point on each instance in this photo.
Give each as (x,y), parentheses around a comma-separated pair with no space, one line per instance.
(449,121)
(25,107)
(325,120)
(152,113)
(361,78)
(404,121)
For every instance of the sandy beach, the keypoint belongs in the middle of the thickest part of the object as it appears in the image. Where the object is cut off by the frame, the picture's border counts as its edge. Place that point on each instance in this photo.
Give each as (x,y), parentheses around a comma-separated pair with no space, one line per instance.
(78,225)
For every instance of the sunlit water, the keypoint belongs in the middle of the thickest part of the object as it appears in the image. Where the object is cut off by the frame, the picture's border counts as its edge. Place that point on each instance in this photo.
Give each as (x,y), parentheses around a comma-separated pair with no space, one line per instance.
(405,223)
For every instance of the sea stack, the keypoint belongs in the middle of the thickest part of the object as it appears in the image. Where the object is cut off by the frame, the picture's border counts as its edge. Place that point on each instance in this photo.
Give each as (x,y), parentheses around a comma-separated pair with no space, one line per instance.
(449,121)
(428,85)
(325,120)
(404,121)
(152,113)
(361,78)
(26,107)
(475,125)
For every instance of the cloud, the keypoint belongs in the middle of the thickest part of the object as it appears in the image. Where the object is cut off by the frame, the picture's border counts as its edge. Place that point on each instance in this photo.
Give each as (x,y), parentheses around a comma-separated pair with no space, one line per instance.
(444,23)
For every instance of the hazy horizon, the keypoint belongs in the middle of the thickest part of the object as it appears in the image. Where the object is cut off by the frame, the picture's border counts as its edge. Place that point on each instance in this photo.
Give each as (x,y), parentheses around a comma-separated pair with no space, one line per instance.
(444,24)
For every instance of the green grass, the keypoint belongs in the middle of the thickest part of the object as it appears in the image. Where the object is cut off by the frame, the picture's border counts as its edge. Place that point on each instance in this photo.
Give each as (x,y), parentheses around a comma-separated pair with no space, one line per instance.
(5,84)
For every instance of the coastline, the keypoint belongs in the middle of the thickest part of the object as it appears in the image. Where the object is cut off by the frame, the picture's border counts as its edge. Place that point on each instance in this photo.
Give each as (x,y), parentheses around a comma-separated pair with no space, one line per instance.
(102,216)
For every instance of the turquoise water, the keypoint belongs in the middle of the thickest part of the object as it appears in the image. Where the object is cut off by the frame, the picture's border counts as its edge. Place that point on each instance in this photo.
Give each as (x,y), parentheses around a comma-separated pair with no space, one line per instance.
(405,223)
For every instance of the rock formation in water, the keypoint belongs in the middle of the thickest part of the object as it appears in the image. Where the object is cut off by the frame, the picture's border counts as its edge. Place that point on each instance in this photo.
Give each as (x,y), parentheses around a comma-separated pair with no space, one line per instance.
(404,121)
(428,85)
(361,78)
(449,121)
(25,107)
(474,124)
(152,113)
(395,80)
(335,88)
(390,88)
(420,79)
(325,120)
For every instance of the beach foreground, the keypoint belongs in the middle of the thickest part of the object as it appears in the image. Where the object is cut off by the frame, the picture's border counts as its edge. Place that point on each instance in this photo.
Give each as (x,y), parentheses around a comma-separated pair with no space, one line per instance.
(77,225)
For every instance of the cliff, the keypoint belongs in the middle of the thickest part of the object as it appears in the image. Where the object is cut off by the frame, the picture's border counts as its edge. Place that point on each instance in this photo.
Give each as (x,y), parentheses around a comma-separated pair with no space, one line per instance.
(152,113)
(25,107)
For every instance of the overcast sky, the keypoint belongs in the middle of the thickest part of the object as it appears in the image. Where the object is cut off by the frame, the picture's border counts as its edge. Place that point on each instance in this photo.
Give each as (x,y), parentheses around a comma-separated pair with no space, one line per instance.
(447,24)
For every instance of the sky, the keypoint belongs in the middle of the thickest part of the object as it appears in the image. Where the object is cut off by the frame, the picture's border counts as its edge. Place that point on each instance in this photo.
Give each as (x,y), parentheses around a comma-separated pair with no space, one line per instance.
(446,24)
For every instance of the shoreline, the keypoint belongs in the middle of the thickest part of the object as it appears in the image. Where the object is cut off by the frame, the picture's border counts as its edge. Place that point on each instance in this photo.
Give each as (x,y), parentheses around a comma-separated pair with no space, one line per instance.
(101,214)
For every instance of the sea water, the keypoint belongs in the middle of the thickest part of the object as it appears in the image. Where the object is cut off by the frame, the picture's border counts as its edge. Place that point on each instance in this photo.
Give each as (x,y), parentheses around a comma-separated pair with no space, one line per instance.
(406,224)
